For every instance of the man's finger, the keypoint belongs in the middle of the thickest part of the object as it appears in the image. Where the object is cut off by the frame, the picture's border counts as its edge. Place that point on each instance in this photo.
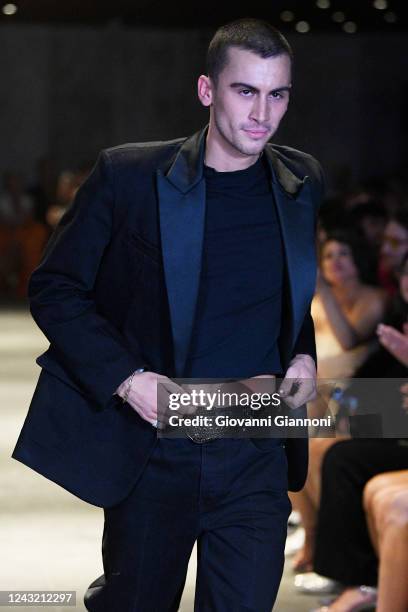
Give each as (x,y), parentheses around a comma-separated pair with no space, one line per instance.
(305,393)
(286,386)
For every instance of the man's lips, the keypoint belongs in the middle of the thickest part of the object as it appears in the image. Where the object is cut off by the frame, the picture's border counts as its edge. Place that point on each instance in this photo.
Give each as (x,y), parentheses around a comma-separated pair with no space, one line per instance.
(256,133)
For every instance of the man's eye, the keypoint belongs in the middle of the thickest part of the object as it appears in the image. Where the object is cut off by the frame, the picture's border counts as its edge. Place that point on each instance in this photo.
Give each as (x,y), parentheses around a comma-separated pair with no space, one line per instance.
(277,95)
(246,92)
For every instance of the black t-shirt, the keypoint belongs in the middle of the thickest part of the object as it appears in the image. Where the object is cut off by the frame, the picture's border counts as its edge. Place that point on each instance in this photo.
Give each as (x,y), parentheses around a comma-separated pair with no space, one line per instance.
(238,314)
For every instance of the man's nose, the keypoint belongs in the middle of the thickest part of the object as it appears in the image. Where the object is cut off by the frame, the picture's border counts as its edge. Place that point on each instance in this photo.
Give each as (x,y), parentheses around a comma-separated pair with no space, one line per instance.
(260,110)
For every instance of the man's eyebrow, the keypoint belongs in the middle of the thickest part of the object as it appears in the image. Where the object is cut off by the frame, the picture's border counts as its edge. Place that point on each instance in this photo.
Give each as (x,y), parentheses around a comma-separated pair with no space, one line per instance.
(256,90)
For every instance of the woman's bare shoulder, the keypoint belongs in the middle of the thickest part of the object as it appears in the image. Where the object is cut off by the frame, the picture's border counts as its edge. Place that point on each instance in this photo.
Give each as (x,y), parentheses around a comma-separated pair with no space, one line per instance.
(376,296)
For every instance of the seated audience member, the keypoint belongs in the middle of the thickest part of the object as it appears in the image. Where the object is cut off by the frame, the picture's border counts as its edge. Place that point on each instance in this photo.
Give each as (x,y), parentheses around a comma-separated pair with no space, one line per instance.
(345,309)
(393,250)
(390,359)
(346,312)
(369,220)
(22,239)
(68,184)
(385,501)
(343,550)
(16,206)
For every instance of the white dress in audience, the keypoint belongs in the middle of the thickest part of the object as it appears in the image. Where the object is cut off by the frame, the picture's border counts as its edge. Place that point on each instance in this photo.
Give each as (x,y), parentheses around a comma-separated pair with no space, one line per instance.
(333,360)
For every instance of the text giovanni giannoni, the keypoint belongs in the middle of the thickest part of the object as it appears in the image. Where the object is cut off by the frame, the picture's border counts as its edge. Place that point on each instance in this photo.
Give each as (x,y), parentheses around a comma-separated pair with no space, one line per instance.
(216,400)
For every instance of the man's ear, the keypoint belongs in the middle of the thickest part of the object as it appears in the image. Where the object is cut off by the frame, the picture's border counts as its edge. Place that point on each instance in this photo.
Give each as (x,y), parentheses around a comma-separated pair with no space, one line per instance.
(205,90)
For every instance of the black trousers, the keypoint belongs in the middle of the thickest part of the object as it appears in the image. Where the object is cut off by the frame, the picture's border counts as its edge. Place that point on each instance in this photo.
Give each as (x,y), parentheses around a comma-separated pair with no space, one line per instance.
(230,496)
(343,547)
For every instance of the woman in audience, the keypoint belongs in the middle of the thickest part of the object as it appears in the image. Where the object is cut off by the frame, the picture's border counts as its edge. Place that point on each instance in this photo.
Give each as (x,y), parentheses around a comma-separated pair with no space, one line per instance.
(347,549)
(346,311)
(343,549)
(386,505)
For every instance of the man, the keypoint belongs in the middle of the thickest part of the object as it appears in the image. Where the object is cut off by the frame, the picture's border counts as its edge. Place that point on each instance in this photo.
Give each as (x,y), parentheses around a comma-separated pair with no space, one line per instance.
(393,250)
(190,258)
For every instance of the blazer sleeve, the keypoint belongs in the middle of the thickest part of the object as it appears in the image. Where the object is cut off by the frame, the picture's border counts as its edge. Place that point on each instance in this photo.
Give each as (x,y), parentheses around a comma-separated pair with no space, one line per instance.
(305,343)
(91,350)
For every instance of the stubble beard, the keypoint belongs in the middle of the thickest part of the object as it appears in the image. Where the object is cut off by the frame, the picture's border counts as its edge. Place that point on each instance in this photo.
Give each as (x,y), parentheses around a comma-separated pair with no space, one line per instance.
(238,145)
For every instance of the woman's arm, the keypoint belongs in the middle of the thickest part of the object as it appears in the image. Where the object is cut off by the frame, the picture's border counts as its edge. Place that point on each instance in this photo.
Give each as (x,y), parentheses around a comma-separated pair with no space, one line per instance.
(360,324)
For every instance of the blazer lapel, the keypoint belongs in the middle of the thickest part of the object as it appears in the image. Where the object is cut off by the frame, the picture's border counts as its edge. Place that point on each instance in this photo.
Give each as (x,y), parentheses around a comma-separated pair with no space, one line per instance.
(182,199)
(295,210)
(181,193)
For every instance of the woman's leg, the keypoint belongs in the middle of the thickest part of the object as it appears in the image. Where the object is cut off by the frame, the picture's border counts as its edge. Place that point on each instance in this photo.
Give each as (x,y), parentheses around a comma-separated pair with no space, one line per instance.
(374,490)
(386,503)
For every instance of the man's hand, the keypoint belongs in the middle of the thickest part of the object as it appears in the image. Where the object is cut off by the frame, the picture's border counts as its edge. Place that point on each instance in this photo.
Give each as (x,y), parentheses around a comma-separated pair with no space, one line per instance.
(149,396)
(394,341)
(299,384)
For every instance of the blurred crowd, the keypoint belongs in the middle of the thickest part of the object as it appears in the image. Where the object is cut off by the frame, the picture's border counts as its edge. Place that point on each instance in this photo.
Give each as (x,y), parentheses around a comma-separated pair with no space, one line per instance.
(28,215)
(351,544)
(352,515)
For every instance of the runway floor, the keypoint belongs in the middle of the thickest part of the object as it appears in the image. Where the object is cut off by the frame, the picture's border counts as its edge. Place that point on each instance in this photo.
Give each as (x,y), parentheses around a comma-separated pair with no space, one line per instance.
(50,540)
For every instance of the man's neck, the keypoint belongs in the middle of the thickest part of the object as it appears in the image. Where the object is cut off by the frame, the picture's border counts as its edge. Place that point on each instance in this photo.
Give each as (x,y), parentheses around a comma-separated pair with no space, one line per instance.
(225,159)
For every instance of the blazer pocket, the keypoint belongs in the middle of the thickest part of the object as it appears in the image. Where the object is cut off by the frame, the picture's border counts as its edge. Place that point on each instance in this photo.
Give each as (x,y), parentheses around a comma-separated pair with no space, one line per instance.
(145,247)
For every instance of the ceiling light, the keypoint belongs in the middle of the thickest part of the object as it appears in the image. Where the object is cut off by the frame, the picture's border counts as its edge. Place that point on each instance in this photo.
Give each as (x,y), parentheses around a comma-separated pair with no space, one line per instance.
(323,4)
(338,16)
(390,17)
(9,9)
(350,27)
(302,27)
(381,5)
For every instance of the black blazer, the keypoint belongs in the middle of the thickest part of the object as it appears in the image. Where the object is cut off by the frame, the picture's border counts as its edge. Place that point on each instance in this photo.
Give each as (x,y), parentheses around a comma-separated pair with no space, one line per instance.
(117,289)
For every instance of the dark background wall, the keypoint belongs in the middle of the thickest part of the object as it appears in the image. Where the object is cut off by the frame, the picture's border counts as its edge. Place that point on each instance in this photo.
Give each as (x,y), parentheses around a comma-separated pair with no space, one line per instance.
(68,91)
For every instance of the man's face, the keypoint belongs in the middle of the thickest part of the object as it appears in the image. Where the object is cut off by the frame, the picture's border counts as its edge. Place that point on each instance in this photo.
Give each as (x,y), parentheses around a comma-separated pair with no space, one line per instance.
(394,246)
(404,282)
(337,262)
(249,100)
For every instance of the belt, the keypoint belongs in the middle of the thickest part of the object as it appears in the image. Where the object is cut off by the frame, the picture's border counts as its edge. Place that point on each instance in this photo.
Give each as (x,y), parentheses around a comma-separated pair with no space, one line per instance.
(202,434)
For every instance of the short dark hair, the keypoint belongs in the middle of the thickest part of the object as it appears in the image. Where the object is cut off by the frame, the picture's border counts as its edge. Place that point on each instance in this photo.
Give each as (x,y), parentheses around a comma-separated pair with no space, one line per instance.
(254,35)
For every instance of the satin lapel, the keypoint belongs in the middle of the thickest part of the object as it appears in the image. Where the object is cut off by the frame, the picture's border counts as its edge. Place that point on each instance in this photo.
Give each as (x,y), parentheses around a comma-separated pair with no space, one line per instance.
(296,216)
(181,196)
